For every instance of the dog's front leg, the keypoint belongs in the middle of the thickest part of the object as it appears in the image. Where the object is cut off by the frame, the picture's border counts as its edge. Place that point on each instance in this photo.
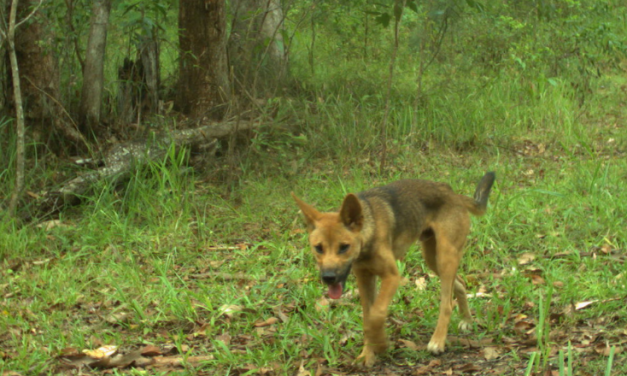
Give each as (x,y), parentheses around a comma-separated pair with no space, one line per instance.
(375,311)
(366,283)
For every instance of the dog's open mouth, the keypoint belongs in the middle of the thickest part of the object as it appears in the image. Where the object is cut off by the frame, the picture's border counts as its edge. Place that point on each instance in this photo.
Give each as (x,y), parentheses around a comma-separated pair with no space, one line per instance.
(335,290)
(336,287)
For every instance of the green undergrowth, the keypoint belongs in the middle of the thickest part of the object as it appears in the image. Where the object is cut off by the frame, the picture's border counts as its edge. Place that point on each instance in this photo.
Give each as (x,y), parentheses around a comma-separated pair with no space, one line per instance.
(199,259)
(170,252)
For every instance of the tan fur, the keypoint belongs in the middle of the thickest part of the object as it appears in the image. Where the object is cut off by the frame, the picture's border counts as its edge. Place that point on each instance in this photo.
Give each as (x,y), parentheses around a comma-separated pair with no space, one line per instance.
(375,227)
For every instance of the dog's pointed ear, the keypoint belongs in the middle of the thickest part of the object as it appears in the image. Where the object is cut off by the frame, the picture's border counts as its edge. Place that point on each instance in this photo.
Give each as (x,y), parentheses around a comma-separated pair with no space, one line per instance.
(351,213)
(311,214)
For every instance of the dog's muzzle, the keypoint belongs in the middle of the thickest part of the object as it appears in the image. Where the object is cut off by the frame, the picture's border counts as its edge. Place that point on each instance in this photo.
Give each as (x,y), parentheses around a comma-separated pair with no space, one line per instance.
(335,279)
(334,276)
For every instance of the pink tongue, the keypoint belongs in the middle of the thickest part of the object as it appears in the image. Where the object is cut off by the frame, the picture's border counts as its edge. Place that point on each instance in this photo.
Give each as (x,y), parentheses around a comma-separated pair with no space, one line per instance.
(335,291)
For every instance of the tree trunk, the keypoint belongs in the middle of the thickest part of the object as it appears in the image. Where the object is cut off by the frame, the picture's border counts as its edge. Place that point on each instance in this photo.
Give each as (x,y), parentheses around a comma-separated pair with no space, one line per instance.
(203,82)
(39,73)
(93,75)
(17,92)
(256,46)
(149,56)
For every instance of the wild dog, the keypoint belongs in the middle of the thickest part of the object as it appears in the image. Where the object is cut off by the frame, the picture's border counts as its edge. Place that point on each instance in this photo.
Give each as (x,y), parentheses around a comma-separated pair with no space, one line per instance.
(376,227)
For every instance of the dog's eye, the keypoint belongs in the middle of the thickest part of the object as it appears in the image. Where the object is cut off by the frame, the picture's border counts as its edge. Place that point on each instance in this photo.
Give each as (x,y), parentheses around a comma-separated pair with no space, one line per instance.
(319,248)
(343,248)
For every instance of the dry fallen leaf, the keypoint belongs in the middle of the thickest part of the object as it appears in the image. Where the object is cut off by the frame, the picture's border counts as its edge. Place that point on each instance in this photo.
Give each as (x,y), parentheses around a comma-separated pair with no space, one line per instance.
(523,327)
(558,284)
(229,310)
(409,344)
(421,283)
(470,342)
(268,322)
(468,368)
(347,337)
(225,337)
(41,262)
(282,316)
(537,280)
(175,361)
(33,195)
(118,317)
(605,349)
(150,350)
(101,352)
(297,231)
(606,248)
(478,295)
(202,331)
(302,371)
(582,305)
(520,317)
(49,225)
(490,353)
(322,304)
(427,370)
(319,370)
(526,258)
(123,360)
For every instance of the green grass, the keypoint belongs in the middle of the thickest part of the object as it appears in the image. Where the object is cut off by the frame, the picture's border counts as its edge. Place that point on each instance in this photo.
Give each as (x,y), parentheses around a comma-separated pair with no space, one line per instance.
(193,259)
(155,253)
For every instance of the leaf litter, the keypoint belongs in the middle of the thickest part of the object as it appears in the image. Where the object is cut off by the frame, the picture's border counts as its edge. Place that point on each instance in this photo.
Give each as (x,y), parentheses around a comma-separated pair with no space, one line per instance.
(467,354)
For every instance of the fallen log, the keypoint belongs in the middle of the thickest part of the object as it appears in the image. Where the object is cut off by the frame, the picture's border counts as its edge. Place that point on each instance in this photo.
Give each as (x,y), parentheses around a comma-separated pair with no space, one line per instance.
(123,158)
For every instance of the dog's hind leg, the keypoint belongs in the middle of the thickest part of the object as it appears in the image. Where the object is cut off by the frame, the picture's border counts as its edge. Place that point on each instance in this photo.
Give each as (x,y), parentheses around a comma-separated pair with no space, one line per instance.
(449,241)
(447,268)
(462,302)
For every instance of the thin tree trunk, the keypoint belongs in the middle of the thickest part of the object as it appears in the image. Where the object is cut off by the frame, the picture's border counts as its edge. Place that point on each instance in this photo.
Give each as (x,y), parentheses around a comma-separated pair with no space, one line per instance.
(149,56)
(17,92)
(70,23)
(93,74)
(399,6)
(256,47)
(39,75)
(204,87)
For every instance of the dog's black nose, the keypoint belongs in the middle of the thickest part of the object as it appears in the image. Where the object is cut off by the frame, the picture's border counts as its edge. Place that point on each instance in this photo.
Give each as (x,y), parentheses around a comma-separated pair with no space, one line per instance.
(328,276)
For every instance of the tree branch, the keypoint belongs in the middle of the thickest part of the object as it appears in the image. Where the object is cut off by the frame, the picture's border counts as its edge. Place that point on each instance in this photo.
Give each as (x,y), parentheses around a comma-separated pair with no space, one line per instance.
(30,15)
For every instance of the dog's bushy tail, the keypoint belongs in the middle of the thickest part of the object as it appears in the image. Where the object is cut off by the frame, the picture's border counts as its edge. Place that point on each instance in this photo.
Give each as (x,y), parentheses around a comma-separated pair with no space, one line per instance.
(479,203)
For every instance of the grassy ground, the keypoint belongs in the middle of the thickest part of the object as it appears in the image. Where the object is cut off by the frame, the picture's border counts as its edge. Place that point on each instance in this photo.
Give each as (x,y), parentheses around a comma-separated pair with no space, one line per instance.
(207,272)
(198,267)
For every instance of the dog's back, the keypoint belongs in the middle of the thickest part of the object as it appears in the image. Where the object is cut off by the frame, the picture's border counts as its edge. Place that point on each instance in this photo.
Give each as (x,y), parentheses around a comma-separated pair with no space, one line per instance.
(408,207)
(409,203)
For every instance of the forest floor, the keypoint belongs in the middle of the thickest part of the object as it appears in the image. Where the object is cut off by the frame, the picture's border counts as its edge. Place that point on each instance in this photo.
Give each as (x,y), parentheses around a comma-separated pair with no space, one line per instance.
(184,273)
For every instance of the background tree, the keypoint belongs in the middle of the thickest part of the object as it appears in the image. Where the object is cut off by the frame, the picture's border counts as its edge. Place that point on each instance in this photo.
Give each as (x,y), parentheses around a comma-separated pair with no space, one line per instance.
(203,74)
(256,46)
(139,75)
(39,72)
(93,74)
(19,112)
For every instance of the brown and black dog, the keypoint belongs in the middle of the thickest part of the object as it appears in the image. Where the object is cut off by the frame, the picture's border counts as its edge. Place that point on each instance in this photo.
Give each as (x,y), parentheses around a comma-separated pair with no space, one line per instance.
(376,227)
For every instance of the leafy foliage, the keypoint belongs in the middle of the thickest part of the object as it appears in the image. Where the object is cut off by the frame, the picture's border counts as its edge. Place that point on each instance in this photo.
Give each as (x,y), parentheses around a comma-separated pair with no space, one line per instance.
(208,265)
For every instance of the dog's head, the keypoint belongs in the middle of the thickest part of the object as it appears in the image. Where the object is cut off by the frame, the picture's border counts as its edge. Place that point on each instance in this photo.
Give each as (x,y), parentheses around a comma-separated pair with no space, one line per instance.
(334,239)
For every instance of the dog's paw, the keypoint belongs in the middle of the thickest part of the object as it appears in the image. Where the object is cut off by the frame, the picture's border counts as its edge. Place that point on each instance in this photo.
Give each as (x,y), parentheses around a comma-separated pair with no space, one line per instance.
(435,347)
(366,358)
(465,325)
